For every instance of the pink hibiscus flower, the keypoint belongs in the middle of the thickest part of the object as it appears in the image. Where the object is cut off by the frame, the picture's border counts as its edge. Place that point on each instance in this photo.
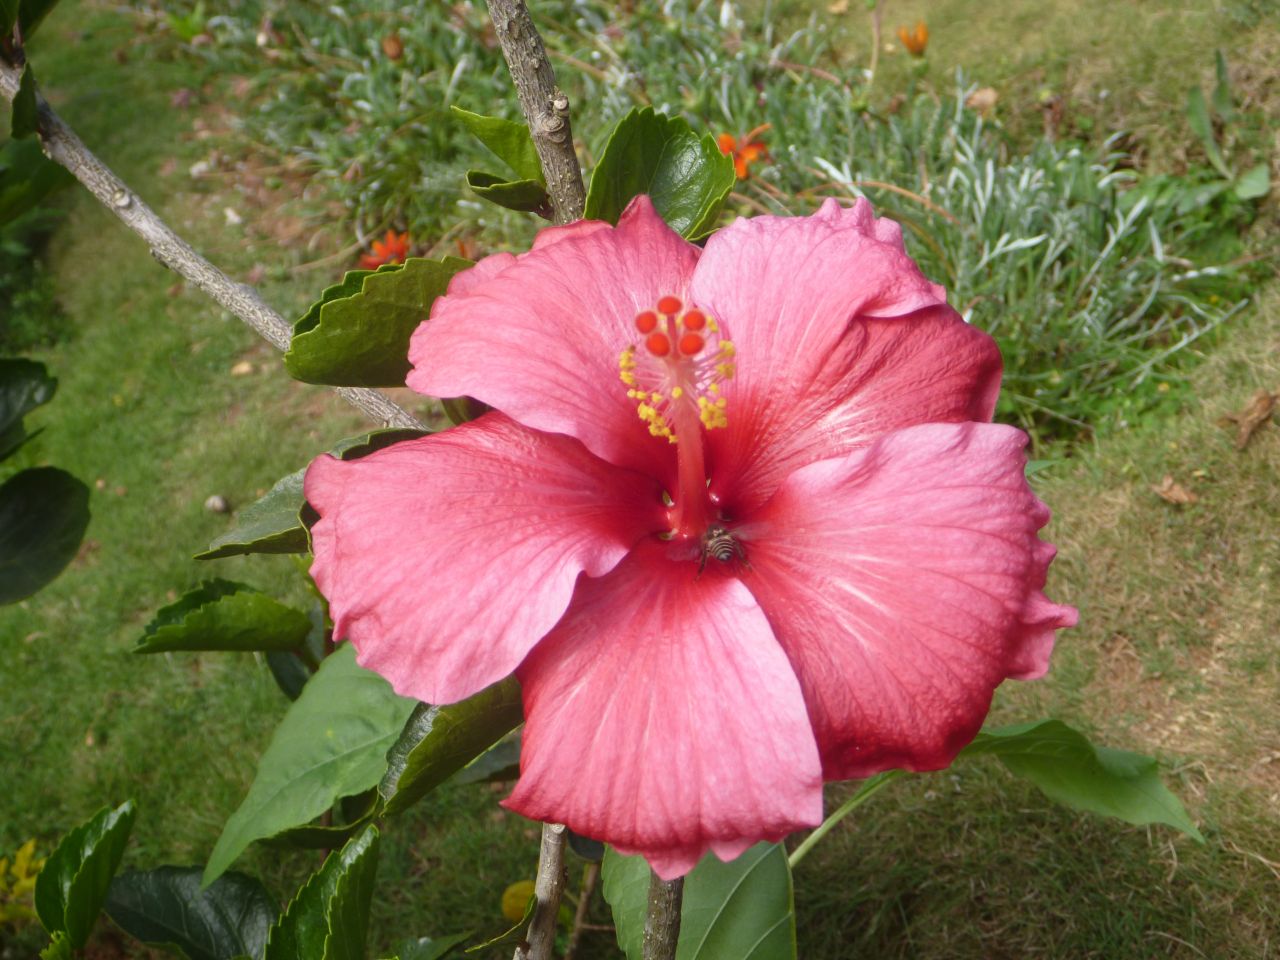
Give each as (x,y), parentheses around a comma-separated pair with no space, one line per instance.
(738,522)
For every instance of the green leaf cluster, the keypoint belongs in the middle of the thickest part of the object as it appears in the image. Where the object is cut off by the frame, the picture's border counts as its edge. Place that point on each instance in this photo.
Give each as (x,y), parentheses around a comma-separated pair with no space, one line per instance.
(223,615)
(1070,770)
(44,511)
(332,743)
(329,918)
(27,176)
(743,909)
(511,143)
(357,333)
(685,175)
(167,907)
(274,523)
(26,15)
(73,885)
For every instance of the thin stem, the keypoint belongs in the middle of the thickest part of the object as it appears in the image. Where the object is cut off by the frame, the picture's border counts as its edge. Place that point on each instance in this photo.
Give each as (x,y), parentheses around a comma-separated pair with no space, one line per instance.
(662,922)
(590,877)
(548,887)
(545,107)
(875,48)
(869,789)
(62,145)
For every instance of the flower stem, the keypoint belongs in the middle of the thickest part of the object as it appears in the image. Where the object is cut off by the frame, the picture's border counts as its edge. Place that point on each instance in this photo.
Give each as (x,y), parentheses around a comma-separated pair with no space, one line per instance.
(545,107)
(547,890)
(870,787)
(662,923)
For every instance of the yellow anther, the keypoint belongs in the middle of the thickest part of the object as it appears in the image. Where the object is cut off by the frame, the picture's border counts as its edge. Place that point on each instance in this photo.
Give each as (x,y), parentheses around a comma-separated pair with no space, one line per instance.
(727,349)
(677,393)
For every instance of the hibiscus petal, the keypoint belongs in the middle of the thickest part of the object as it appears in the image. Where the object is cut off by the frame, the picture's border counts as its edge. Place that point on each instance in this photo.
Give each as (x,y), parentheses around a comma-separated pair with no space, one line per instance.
(445,559)
(662,717)
(538,335)
(881,375)
(786,287)
(904,582)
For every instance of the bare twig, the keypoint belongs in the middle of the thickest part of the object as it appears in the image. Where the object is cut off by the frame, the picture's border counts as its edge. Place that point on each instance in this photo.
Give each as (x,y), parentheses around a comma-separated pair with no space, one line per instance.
(662,922)
(547,889)
(545,107)
(64,147)
(590,876)
(546,111)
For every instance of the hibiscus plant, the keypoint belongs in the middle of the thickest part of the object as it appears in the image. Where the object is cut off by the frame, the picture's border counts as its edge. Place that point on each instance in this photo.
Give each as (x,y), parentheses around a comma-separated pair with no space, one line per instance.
(723,517)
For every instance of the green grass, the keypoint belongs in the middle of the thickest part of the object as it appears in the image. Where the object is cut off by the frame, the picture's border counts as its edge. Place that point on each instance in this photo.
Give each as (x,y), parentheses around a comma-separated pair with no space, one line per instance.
(1175,653)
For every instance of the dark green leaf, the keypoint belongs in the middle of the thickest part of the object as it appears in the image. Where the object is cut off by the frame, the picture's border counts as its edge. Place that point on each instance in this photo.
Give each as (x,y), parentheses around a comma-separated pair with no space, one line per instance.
(24,385)
(221,615)
(461,410)
(437,742)
(329,918)
(1202,127)
(44,512)
(32,14)
(361,338)
(527,196)
(1254,183)
(166,907)
(268,525)
(273,523)
(1072,771)
(290,673)
(27,176)
(8,17)
(585,847)
(428,948)
(743,909)
(498,763)
(24,120)
(317,836)
(331,743)
(73,884)
(510,142)
(686,175)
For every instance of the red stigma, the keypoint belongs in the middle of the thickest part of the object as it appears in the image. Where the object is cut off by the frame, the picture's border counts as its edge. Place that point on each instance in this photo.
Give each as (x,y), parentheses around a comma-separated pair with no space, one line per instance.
(646,322)
(691,343)
(694,320)
(669,306)
(658,344)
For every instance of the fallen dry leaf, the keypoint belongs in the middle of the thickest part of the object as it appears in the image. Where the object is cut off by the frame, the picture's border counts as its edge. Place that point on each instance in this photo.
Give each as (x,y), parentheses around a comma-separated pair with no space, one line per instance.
(393,46)
(839,7)
(1254,415)
(242,369)
(983,100)
(1168,489)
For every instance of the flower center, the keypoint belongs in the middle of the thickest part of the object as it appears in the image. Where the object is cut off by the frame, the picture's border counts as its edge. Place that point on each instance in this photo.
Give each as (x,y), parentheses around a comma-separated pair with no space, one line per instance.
(674,376)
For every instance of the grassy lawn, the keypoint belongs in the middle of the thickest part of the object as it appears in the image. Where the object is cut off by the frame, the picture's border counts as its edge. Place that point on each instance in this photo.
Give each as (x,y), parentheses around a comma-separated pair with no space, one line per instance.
(1176,653)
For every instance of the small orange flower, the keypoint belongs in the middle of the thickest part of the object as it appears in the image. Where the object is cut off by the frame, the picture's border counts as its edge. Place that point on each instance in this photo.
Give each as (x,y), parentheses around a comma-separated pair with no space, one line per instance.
(392,248)
(915,40)
(751,150)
